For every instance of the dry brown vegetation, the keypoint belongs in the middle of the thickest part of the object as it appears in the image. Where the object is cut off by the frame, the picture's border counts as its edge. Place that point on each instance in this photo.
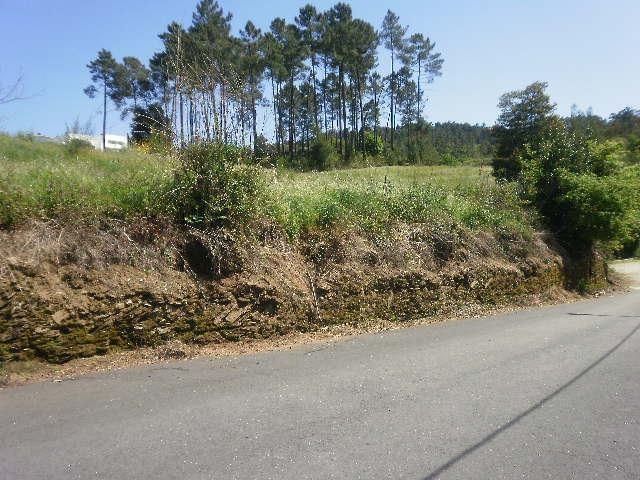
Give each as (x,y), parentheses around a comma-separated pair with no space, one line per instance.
(76,290)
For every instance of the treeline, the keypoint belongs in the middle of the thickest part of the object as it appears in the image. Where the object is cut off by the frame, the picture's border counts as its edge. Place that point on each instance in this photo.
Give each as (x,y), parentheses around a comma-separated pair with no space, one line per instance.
(581,173)
(622,127)
(311,80)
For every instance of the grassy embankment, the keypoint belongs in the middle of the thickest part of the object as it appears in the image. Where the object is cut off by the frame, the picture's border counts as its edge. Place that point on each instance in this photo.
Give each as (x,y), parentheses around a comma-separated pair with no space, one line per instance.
(47,181)
(126,250)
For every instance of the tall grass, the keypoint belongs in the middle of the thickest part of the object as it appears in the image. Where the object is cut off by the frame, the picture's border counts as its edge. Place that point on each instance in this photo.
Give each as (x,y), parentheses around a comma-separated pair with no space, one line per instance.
(46,180)
(376,198)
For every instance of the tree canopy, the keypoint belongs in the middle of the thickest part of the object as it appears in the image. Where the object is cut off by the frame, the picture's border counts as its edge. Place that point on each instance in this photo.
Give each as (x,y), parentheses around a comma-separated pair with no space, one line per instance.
(313,78)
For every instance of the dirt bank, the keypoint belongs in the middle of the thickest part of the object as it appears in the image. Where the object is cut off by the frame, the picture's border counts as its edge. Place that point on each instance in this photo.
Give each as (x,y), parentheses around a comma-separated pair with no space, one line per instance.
(79,290)
(630,270)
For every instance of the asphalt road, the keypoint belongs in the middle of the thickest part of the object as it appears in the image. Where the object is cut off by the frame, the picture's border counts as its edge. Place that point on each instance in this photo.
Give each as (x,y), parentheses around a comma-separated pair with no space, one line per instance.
(546,393)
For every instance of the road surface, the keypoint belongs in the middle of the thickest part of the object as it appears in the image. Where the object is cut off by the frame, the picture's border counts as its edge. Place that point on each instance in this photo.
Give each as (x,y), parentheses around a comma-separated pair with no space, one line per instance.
(547,393)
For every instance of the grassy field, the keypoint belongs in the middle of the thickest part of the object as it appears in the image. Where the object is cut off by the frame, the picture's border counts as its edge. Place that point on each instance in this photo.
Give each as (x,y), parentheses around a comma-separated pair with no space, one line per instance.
(373,198)
(392,176)
(44,180)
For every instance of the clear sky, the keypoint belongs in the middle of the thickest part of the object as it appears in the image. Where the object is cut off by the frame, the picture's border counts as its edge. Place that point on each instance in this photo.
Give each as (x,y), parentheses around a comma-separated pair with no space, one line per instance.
(588,50)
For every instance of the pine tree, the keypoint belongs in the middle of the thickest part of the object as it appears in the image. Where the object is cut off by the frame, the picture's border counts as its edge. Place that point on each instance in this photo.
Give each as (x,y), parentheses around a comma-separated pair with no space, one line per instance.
(208,83)
(375,88)
(293,51)
(428,63)
(253,65)
(103,75)
(393,36)
(310,23)
(134,83)
(337,45)
(364,42)
(272,53)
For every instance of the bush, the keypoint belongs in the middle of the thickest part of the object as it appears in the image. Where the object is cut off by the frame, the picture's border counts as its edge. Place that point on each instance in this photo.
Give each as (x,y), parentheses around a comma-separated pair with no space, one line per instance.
(373,144)
(449,159)
(322,155)
(75,145)
(593,207)
(576,186)
(214,188)
(629,242)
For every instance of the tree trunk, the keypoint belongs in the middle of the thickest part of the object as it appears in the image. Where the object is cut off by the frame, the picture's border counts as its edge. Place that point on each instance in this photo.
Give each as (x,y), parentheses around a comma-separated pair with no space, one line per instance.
(223,115)
(324,96)
(291,119)
(254,119)
(419,112)
(375,115)
(191,119)
(315,96)
(393,82)
(181,120)
(104,117)
(280,124)
(216,117)
(362,145)
(344,113)
(205,117)
(275,113)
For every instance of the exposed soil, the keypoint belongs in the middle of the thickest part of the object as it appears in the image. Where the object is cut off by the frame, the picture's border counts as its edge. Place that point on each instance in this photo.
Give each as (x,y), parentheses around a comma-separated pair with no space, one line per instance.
(76,291)
(629,270)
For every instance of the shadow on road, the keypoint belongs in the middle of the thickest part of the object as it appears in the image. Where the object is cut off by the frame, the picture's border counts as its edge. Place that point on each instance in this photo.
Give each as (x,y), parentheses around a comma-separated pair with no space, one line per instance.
(433,475)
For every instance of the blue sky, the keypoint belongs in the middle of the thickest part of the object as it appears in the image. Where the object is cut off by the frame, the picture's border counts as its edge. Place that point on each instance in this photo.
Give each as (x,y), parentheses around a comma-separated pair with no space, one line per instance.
(588,51)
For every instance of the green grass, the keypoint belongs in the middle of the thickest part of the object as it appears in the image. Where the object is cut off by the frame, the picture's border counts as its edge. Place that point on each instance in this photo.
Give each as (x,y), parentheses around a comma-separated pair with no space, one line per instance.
(45,180)
(375,198)
(393,175)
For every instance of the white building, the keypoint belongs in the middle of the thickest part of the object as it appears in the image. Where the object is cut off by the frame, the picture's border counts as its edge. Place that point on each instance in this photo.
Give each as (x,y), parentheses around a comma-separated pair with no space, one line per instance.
(112,142)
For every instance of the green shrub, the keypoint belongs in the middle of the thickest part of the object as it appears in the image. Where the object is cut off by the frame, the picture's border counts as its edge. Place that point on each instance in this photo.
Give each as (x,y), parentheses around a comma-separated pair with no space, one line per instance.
(450,159)
(373,144)
(593,207)
(75,145)
(577,186)
(322,155)
(214,188)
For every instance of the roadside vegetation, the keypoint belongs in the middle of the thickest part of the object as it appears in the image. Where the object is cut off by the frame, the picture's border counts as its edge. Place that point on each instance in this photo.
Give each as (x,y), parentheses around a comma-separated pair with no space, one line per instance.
(375,199)
(206,231)
(314,78)
(580,174)
(212,185)
(47,180)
